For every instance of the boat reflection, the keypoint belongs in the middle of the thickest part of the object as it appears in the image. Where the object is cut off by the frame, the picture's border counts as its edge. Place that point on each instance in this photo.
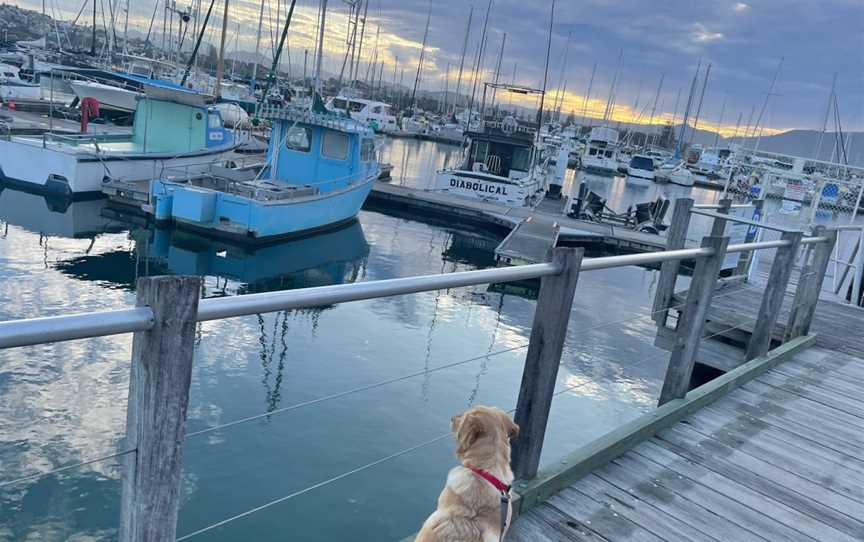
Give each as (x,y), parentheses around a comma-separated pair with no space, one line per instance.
(334,257)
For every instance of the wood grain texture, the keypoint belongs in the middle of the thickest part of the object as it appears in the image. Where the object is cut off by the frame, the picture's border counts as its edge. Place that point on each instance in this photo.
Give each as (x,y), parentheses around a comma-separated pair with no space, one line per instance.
(156,415)
(676,237)
(676,382)
(772,299)
(810,284)
(554,304)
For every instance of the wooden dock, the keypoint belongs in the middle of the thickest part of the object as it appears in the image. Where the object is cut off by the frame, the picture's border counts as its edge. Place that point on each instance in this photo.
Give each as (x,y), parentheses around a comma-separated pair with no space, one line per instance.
(529,242)
(779,458)
(495,214)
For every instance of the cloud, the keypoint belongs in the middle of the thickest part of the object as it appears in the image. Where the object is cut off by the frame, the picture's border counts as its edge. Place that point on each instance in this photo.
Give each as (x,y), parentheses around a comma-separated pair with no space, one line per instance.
(740,7)
(702,34)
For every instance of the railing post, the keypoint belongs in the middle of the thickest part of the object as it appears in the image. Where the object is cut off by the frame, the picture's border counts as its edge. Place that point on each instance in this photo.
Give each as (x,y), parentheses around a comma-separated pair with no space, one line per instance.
(542,360)
(691,321)
(676,237)
(718,227)
(810,283)
(772,299)
(156,413)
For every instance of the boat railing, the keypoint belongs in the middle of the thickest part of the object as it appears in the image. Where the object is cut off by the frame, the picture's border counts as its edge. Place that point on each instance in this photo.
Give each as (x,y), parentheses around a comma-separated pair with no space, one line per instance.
(165,316)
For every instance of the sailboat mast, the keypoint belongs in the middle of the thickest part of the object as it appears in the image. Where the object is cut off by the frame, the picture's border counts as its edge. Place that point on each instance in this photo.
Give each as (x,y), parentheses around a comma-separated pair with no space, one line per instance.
(356,66)
(687,112)
(219,64)
(422,54)
(93,41)
(479,64)
(825,122)
(546,69)
(720,122)
(765,104)
(498,69)
(126,30)
(320,55)
(462,61)
(588,94)
(701,98)
(654,108)
(611,100)
(257,45)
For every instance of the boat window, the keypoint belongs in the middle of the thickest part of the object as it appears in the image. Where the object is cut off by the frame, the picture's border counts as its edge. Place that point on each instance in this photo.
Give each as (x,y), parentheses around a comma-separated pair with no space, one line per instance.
(356,107)
(642,162)
(339,103)
(481,149)
(608,154)
(521,159)
(214,120)
(377,109)
(592,151)
(334,145)
(299,138)
(367,150)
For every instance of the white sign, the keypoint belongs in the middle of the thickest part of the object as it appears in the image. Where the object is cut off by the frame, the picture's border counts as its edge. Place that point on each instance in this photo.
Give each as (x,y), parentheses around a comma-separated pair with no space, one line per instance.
(739,233)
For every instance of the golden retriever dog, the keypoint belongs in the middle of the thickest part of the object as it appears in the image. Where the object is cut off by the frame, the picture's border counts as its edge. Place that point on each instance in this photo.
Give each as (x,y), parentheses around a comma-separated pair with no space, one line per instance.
(470,506)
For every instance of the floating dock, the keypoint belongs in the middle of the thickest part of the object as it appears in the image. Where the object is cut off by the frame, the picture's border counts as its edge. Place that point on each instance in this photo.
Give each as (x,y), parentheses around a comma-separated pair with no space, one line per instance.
(529,242)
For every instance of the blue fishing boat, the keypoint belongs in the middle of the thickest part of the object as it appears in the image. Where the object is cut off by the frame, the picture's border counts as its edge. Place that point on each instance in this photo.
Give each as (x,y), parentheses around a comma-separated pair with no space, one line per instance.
(319,169)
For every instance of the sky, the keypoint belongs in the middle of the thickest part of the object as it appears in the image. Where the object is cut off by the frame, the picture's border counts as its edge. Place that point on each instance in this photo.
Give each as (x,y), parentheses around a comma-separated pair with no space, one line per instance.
(743,42)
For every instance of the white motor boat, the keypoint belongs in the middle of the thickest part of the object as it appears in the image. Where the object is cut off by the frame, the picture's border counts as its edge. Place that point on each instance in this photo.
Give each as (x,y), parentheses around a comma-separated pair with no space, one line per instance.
(500,165)
(676,173)
(601,151)
(15,89)
(640,170)
(372,113)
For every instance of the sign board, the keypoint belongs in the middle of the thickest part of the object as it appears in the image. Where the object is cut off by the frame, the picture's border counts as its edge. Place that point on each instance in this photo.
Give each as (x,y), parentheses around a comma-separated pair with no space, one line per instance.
(793,196)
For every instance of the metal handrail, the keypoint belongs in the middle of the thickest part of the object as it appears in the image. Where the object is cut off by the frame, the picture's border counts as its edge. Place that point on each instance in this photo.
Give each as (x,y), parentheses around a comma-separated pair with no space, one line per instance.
(32,331)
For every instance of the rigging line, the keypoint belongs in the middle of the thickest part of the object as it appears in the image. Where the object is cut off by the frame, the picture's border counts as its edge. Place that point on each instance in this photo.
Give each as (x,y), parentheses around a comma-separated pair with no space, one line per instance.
(67,467)
(394,380)
(351,391)
(315,486)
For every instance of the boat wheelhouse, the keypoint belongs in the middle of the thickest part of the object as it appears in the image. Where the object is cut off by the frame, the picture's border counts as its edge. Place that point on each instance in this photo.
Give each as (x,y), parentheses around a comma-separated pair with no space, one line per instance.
(601,151)
(501,164)
(172,128)
(320,167)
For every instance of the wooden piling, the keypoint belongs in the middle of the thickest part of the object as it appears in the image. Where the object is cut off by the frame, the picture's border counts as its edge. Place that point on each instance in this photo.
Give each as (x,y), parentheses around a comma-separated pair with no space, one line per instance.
(718,227)
(810,283)
(676,237)
(692,320)
(156,416)
(772,299)
(549,329)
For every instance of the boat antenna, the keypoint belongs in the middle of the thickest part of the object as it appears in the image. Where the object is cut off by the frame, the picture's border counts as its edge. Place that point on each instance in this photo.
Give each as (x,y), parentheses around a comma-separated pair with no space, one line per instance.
(197,45)
(422,55)
(546,69)
(272,75)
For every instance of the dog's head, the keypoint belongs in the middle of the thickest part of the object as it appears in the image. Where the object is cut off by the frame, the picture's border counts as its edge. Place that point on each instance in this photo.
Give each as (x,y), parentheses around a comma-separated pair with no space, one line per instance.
(482,423)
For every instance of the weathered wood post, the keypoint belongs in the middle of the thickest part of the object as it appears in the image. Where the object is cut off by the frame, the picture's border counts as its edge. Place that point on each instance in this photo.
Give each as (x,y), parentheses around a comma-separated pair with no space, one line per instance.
(156,414)
(676,237)
(718,227)
(810,283)
(692,320)
(542,360)
(772,299)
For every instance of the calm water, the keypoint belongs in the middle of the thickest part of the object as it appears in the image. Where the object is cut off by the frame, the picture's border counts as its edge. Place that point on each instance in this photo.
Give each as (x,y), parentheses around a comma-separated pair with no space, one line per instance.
(65,403)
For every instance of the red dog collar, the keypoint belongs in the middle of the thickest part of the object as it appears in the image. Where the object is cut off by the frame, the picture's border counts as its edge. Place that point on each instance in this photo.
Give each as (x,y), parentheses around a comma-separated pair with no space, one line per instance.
(499,485)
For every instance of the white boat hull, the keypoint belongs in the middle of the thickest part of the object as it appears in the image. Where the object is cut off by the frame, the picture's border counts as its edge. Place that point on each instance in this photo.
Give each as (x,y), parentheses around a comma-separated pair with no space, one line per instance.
(606,166)
(52,171)
(112,98)
(486,187)
(20,92)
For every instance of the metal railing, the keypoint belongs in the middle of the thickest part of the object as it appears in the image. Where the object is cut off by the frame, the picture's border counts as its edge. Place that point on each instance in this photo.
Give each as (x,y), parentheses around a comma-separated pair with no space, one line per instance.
(168,309)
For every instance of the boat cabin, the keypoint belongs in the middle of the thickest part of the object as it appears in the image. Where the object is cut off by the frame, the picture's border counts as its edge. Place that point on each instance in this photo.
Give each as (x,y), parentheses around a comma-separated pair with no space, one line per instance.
(602,142)
(504,149)
(318,149)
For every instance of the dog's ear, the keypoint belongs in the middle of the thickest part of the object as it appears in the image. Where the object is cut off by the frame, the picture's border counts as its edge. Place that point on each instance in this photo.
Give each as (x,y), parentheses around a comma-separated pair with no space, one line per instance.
(469,430)
(512,428)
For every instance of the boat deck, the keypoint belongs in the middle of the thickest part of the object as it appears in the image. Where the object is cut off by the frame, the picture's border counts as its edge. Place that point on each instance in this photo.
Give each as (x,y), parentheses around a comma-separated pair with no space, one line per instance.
(779,458)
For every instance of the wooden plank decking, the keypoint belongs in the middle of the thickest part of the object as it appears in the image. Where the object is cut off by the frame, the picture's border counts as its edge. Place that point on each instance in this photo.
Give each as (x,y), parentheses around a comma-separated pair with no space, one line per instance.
(780,458)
